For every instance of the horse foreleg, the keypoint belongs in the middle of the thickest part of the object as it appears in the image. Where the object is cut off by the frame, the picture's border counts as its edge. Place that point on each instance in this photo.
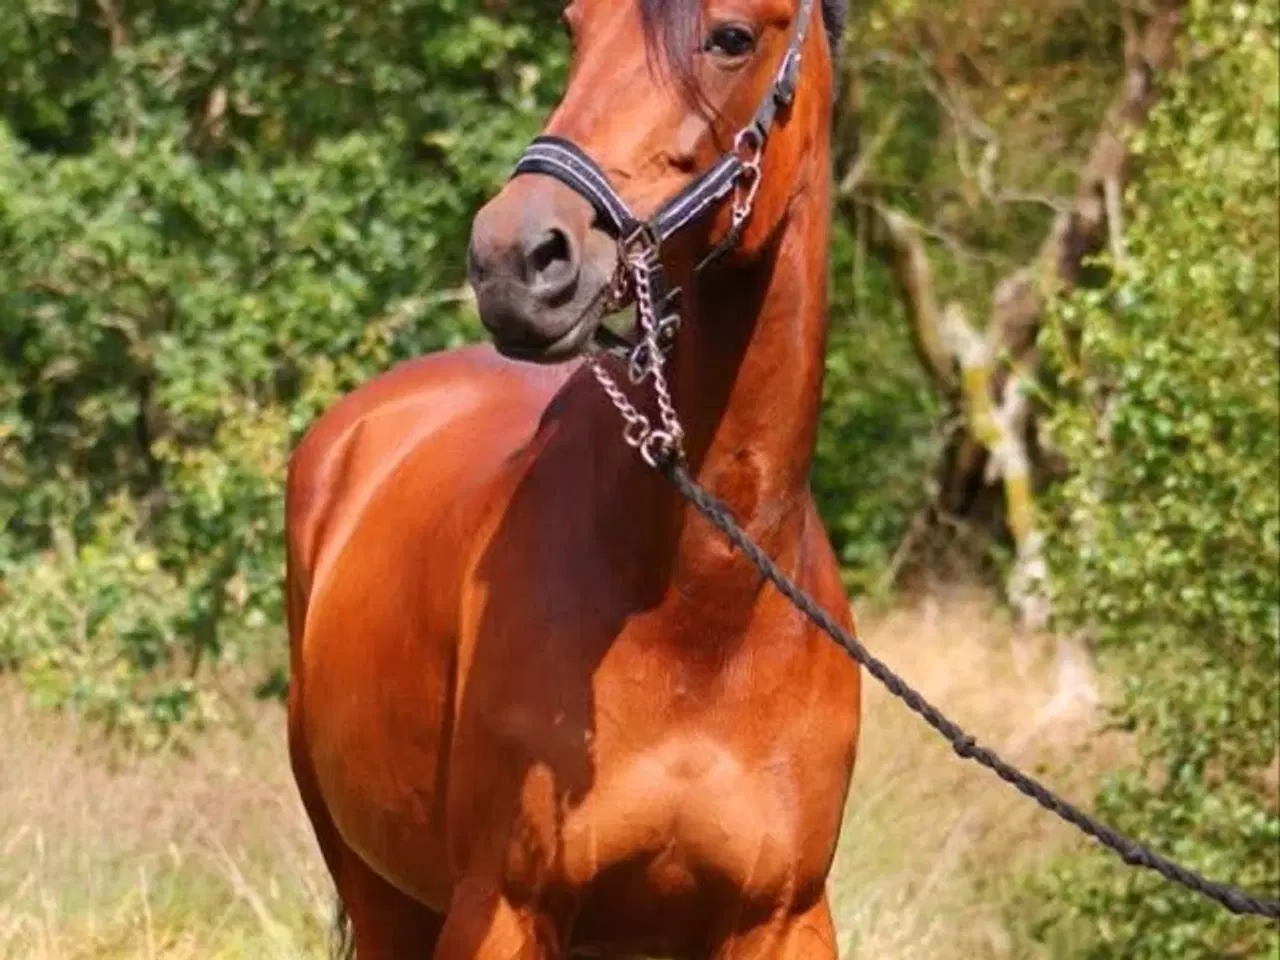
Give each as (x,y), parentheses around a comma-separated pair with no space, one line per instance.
(807,936)
(386,924)
(483,925)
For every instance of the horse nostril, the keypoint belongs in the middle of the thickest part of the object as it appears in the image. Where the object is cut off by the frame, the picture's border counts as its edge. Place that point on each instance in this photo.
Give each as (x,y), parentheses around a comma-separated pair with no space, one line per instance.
(551,268)
(552,248)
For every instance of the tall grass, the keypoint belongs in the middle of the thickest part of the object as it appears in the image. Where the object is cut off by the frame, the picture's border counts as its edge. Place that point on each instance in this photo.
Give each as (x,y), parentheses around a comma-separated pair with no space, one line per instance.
(202,857)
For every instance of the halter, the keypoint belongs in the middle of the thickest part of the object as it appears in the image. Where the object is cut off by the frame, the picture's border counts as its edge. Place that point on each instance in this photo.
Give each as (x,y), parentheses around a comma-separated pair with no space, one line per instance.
(641,278)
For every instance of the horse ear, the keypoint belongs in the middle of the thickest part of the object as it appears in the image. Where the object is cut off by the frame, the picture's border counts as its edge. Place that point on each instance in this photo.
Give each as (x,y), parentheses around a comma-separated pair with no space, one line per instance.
(835,17)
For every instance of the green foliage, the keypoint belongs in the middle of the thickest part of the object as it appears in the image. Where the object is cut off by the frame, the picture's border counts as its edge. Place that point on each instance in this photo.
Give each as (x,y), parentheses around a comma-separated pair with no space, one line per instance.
(95,626)
(215,219)
(879,438)
(980,114)
(1167,545)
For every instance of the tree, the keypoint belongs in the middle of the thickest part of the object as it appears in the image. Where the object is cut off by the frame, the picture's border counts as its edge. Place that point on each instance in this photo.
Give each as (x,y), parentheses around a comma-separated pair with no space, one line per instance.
(1117,416)
(981,213)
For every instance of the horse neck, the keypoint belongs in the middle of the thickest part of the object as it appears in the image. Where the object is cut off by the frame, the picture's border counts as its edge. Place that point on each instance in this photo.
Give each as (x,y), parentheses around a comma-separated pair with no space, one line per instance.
(746,380)
(747,373)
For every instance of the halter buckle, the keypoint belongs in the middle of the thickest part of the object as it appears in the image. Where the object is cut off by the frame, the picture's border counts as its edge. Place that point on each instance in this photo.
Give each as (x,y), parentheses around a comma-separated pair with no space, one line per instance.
(748,144)
(749,141)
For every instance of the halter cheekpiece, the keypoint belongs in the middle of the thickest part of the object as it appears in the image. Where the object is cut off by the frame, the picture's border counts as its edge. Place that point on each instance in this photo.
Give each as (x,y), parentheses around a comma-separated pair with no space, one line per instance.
(641,278)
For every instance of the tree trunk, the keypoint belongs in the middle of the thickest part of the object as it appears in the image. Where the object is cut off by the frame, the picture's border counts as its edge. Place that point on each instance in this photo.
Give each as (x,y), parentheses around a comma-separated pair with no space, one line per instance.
(993,463)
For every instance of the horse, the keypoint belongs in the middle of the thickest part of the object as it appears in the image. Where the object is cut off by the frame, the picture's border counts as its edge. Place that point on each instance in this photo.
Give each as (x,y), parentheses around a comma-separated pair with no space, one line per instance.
(538,707)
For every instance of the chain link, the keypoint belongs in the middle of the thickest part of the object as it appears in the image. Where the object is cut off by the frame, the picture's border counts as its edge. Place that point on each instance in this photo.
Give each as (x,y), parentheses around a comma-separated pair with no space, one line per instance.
(655,443)
(662,442)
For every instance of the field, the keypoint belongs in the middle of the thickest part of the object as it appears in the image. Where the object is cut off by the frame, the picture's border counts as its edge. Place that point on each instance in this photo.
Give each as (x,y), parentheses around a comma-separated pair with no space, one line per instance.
(209,857)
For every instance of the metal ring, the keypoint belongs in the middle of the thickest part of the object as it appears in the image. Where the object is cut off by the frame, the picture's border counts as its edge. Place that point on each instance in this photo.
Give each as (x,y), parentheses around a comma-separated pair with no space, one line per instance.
(642,239)
(657,446)
(636,432)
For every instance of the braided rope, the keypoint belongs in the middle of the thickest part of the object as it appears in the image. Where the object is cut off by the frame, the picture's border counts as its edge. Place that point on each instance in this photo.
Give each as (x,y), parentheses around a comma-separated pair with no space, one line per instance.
(1132,852)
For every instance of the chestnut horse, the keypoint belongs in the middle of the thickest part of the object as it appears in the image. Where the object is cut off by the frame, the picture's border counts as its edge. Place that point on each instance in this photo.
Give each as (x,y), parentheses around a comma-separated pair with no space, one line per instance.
(538,707)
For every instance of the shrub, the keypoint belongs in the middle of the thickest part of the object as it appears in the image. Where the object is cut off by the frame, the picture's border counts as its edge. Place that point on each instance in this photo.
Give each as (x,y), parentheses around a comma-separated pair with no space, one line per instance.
(1166,537)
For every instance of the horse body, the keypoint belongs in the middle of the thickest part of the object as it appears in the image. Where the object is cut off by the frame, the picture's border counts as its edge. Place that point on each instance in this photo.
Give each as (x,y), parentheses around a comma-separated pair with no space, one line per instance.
(482,693)
(537,704)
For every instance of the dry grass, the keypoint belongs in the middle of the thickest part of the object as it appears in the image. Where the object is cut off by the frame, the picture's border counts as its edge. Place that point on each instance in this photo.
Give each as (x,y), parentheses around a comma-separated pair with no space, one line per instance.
(200,858)
(210,858)
(934,847)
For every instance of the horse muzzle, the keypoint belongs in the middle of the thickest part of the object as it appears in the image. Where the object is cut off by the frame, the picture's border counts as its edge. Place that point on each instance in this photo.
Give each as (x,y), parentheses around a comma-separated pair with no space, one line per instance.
(541,271)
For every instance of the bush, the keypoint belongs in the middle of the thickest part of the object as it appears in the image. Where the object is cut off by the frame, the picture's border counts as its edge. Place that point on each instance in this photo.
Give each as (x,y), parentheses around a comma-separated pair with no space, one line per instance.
(213,225)
(1166,544)
(879,437)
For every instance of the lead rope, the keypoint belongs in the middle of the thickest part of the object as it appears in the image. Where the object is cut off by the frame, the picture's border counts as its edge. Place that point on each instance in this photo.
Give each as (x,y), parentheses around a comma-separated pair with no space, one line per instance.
(660,446)
(1130,851)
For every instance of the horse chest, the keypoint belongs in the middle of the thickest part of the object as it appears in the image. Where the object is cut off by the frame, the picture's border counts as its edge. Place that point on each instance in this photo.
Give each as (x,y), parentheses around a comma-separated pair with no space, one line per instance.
(665,803)
(650,754)
(685,811)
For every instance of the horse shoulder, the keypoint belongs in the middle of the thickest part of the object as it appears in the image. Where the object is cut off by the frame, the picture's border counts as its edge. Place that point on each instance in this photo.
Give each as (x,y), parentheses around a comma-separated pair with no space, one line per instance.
(351,450)
(386,493)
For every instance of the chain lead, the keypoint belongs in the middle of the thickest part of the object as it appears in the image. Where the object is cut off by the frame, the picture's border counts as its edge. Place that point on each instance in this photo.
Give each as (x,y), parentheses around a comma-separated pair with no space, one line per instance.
(661,443)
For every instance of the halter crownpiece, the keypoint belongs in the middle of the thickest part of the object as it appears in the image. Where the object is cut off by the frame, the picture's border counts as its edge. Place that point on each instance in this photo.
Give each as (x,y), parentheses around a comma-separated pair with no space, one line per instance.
(641,277)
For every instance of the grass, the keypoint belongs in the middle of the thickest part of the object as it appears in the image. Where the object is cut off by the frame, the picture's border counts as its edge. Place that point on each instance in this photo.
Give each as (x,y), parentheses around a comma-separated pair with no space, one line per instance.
(935,849)
(209,857)
(182,858)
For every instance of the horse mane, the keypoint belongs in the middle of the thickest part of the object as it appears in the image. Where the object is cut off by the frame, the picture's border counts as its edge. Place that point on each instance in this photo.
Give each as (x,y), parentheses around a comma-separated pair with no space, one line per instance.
(671,28)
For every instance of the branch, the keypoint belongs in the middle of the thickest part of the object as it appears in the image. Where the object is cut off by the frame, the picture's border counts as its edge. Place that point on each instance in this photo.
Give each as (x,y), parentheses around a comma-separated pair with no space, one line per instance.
(1095,218)
(857,173)
(967,125)
(898,240)
(115,26)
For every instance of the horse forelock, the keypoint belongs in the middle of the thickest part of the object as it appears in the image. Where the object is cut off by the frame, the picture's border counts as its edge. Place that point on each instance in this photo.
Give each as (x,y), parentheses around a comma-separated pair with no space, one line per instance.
(671,29)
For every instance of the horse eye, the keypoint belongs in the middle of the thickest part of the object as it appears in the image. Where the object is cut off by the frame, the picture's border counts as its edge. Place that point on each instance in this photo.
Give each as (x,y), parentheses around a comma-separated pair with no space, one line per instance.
(730,40)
